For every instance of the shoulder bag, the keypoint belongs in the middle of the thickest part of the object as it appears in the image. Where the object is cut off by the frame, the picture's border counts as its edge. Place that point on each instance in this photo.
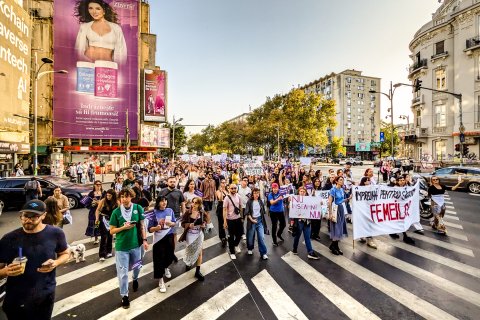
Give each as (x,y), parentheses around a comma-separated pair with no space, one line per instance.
(334,211)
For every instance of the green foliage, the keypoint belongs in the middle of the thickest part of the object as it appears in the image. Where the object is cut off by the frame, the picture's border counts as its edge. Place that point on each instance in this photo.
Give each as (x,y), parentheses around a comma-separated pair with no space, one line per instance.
(386,145)
(293,119)
(337,147)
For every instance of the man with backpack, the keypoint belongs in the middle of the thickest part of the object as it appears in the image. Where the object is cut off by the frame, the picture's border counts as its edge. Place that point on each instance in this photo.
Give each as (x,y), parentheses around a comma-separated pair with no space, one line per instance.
(33,190)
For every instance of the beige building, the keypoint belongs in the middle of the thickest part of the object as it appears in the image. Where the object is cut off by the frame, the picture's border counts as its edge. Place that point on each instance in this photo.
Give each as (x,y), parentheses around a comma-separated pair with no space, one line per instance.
(445,56)
(358,111)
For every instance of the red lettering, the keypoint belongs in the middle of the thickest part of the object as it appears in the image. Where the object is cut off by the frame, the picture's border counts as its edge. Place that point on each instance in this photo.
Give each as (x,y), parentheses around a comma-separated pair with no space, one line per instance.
(372,211)
(298,199)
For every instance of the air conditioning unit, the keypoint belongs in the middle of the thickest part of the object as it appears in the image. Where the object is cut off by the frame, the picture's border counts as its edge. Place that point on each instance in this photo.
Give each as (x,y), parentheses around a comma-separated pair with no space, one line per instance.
(57,150)
(59,143)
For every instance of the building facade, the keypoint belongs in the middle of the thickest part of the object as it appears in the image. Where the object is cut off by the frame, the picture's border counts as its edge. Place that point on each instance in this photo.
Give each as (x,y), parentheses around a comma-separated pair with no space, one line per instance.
(445,55)
(358,111)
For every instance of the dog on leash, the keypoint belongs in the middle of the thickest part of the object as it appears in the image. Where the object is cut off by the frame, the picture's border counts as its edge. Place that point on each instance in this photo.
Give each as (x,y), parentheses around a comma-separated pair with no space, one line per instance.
(77,252)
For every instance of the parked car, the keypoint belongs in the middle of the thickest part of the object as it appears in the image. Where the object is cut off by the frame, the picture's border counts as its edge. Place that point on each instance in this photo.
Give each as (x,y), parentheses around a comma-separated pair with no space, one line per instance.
(337,160)
(12,193)
(450,176)
(354,161)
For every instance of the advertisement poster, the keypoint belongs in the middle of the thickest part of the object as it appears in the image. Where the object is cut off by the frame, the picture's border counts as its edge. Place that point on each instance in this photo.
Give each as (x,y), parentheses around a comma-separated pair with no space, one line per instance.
(97,43)
(155,104)
(152,136)
(15,62)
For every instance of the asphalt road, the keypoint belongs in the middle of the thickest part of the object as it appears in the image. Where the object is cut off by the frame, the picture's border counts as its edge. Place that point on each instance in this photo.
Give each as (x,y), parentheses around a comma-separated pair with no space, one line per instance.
(438,278)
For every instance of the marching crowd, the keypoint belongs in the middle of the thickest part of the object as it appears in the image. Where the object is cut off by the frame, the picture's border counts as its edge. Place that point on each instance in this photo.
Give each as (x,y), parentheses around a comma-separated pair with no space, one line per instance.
(181,199)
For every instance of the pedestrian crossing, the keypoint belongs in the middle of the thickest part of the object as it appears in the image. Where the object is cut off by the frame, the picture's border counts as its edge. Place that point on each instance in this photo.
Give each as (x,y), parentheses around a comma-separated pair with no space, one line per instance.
(438,278)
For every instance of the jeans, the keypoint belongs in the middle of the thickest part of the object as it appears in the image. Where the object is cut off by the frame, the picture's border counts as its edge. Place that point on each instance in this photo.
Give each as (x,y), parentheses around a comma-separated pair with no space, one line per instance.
(235,231)
(123,260)
(277,217)
(256,228)
(306,229)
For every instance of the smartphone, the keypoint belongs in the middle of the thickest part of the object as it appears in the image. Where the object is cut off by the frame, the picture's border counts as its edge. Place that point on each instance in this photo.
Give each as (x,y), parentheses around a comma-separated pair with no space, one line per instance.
(133,222)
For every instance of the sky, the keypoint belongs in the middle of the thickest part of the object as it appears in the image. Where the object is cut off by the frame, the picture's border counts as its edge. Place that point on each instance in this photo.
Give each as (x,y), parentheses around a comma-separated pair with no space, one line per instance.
(225,56)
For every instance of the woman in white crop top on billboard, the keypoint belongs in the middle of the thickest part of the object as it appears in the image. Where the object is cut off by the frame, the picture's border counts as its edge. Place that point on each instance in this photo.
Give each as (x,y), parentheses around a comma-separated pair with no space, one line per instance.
(100,37)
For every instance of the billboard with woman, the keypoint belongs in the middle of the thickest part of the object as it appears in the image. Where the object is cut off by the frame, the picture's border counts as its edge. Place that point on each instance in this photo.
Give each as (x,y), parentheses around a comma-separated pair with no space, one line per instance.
(96,41)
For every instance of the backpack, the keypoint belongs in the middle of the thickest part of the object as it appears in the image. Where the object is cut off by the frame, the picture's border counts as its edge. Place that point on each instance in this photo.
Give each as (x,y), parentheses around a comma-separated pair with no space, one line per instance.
(31,185)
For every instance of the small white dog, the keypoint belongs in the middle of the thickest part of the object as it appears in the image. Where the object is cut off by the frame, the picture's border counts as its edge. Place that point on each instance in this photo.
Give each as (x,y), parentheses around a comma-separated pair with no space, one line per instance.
(77,252)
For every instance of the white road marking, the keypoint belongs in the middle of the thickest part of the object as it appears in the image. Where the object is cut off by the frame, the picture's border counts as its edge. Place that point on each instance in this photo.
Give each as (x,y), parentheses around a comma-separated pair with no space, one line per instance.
(397,293)
(442,283)
(219,303)
(342,300)
(281,304)
(154,297)
(451,217)
(443,244)
(106,286)
(450,212)
(453,225)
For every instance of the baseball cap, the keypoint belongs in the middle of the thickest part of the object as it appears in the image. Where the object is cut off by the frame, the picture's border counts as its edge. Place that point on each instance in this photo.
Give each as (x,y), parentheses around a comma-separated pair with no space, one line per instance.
(34,206)
(274,185)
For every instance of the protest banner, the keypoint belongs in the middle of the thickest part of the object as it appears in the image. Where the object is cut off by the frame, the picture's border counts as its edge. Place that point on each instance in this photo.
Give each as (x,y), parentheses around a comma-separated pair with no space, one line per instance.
(307,207)
(236,158)
(216,157)
(379,210)
(185,157)
(305,161)
(285,189)
(253,169)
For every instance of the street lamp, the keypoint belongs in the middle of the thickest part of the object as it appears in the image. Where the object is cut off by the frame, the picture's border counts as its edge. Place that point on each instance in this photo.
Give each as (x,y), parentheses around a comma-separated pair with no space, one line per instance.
(391,91)
(407,132)
(173,136)
(37,77)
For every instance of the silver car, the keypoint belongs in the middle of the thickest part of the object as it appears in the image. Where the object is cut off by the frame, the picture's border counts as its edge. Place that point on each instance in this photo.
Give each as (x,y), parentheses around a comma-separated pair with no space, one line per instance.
(450,176)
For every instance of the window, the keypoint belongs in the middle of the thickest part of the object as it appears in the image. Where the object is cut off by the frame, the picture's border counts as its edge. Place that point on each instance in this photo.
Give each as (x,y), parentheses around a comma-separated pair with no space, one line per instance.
(440,116)
(419,118)
(440,149)
(359,132)
(373,83)
(349,94)
(439,47)
(349,80)
(361,88)
(347,86)
(477,108)
(441,79)
(17,183)
(372,97)
(349,102)
(360,95)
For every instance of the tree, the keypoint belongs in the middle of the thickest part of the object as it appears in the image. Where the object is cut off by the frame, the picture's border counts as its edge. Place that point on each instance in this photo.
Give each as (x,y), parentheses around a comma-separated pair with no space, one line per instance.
(337,146)
(386,145)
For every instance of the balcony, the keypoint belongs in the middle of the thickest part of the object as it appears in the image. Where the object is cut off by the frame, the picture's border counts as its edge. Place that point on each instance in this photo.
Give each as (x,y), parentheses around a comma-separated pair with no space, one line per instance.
(421,132)
(472,44)
(419,65)
(439,129)
(439,55)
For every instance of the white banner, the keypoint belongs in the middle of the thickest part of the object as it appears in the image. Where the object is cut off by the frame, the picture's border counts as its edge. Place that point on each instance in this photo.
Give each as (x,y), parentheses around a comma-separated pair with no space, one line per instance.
(307,207)
(305,161)
(253,170)
(379,210)
(236,157)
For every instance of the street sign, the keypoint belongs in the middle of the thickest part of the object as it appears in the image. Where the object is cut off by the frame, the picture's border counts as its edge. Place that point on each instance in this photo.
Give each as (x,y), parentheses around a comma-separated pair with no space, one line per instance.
(462,138)
(382,136)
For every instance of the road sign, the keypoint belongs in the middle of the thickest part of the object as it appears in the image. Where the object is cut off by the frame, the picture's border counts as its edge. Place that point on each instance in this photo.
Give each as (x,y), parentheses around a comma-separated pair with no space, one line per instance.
(382,136)
(462,137)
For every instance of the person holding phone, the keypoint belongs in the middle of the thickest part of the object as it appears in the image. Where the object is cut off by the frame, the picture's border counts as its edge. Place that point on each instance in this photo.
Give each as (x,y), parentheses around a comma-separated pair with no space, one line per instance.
(126,223)
(29,257)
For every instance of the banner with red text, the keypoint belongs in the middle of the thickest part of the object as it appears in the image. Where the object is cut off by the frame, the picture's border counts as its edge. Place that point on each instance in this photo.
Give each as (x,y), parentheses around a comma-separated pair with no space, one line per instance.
(308,207)
(379,209)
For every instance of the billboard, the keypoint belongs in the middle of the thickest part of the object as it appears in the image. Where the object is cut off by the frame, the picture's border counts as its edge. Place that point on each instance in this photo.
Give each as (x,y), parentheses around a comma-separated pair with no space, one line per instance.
(97,43)
(155,97)
(15,61)
(362,146)
(153,136)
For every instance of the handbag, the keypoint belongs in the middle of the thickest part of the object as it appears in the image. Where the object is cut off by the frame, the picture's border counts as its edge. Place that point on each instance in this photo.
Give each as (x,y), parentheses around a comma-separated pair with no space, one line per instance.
(67,218)
(334,211)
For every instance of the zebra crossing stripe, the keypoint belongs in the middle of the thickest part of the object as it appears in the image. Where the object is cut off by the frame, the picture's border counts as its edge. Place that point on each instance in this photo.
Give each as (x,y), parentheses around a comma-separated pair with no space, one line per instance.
(443,244)
(342,300)
(450,212)
(454,264)
(81,241)
(219,303)
(442,283)
(453,225)
(451,217)
(405,297)
(281,304)
(154,297)
(455,235)
(449,207)
(96,291)
(448,202)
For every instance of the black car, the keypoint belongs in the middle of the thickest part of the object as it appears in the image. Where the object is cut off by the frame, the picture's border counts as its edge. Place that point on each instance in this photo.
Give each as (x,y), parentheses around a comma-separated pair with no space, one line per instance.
(12,193)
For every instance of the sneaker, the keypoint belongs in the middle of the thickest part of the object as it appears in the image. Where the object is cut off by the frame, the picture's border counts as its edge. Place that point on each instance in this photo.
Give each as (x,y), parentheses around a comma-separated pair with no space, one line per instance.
(295,252)
(233,256)
(125,302)
(244,237)
(161,286)
(109,255)
(168,275)
(371,244)
(312,255)
(408,240)
(102,259)
(249,252)
(363,240)
(238,250)
(135,285)
(275,244)
(394,236)
(421,231)
(96,242)
(280,239)
(265,257)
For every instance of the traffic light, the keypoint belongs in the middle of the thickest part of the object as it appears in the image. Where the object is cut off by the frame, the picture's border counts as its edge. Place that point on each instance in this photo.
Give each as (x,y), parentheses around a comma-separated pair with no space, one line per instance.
(417,84)
(465,150)
(457,147)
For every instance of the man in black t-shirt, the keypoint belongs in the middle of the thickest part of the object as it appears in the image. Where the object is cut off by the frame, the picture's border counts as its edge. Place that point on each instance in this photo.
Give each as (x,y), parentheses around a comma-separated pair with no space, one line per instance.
(129,182)
(31,284)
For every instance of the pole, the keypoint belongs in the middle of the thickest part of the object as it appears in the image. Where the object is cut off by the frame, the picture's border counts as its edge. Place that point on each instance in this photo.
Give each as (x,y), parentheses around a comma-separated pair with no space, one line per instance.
(391,118)
(461,129)
(127,140)
(173,139)
(35,113)
(278,143)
